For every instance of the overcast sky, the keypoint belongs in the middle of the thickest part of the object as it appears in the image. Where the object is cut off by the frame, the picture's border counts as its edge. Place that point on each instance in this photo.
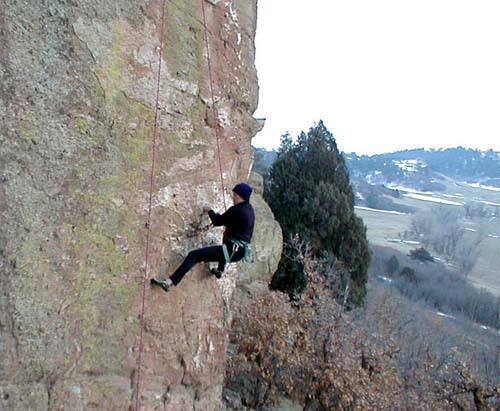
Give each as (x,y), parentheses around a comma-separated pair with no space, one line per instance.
(384,75)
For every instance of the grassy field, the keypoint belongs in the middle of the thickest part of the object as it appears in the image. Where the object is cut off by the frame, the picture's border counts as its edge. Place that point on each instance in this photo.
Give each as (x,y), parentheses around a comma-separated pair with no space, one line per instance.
(386,229)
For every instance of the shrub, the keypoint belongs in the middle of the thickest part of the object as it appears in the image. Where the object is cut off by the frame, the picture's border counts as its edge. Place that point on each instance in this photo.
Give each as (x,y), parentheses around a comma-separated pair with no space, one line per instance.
(306,349)
(439,288)
(290,275)
(384,356)
(409,274)
(421,254)
(381,202)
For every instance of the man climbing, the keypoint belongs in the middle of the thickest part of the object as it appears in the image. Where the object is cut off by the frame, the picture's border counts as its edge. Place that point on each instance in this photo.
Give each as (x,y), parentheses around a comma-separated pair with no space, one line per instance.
(239,222)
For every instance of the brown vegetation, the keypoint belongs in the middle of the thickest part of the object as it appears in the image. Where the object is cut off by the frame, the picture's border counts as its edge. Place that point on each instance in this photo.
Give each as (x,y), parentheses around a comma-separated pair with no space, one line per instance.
(315,353)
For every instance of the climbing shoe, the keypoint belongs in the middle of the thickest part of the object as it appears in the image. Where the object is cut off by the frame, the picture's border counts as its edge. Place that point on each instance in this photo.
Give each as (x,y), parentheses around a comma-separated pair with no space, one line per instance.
(217,273)
(165,284)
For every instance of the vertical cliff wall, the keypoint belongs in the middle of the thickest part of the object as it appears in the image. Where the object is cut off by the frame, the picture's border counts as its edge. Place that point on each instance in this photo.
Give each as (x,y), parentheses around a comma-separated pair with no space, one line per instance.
(77,107)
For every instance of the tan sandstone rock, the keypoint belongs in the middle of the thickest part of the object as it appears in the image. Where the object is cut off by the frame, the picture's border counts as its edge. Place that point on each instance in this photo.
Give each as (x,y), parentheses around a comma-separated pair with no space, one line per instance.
(254,278)
(77,108)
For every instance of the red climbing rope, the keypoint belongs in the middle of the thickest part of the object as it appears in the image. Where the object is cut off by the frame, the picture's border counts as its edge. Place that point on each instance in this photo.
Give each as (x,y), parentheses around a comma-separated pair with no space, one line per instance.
(152,182)
(214,108)
(150,206)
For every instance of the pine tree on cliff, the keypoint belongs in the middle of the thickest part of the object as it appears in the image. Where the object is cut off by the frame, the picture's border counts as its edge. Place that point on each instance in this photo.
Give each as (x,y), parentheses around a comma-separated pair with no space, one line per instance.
(310,194)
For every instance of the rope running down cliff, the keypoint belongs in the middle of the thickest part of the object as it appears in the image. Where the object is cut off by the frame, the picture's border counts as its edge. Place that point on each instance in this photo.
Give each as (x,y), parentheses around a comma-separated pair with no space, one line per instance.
(214,107)
(150,203)
(152,174)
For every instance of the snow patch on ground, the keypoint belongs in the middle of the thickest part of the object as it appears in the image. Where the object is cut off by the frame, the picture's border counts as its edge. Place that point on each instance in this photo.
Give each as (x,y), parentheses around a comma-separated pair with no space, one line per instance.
(445,315)
(432,199)
(398,241)
(385,279)
(379,211)
(484,187)
(492,203)
(459,196)
(408,190)
(410,166)
(370,177)
(410,242)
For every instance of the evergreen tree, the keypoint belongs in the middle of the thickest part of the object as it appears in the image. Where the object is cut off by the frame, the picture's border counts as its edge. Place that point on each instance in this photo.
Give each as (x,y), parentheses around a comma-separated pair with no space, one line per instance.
(310,194)
(392,265)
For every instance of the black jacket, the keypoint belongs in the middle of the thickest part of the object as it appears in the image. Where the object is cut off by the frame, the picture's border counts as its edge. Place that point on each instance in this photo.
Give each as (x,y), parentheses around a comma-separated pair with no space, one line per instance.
(239,221)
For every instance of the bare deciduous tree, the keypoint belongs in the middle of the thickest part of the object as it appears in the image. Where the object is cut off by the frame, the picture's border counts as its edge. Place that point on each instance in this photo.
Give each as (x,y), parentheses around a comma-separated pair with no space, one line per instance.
(440,229)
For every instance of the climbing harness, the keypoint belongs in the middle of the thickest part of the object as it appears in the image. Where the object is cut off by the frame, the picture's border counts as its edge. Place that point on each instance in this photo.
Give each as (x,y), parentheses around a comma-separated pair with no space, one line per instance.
(237,244)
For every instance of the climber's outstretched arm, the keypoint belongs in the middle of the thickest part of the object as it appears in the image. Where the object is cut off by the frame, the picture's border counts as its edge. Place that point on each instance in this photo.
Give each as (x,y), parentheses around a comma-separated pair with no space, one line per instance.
(220,219)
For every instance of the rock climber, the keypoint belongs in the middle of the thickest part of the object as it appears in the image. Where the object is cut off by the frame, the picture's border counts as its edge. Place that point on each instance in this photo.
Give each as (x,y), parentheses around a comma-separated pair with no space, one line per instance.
(239,222)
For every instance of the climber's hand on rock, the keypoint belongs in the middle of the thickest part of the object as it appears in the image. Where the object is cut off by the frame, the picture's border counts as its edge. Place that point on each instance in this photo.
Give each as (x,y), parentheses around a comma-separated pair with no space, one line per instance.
(206,209)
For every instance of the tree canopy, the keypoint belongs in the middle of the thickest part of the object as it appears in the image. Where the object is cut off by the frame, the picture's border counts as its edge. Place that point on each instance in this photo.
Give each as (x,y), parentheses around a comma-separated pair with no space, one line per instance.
(309,192)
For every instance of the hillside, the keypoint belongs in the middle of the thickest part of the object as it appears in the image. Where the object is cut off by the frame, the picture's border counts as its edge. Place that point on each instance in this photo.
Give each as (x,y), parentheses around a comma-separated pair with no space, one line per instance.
(424,169)
(420,169)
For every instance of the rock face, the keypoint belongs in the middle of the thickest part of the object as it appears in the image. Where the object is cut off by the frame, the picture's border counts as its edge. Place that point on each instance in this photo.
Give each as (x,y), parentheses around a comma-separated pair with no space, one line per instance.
(77,108)
(253,279)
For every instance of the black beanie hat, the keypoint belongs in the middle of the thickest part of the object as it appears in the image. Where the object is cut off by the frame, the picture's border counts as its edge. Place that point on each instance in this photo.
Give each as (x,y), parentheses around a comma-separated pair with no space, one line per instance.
(243,190)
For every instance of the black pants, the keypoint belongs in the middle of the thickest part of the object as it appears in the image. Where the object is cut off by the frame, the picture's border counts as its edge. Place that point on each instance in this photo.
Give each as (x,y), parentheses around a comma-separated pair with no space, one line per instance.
(207,254)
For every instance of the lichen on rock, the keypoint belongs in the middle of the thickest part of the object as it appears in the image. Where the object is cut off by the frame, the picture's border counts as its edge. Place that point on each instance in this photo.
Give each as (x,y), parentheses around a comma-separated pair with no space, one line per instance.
(77,108)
